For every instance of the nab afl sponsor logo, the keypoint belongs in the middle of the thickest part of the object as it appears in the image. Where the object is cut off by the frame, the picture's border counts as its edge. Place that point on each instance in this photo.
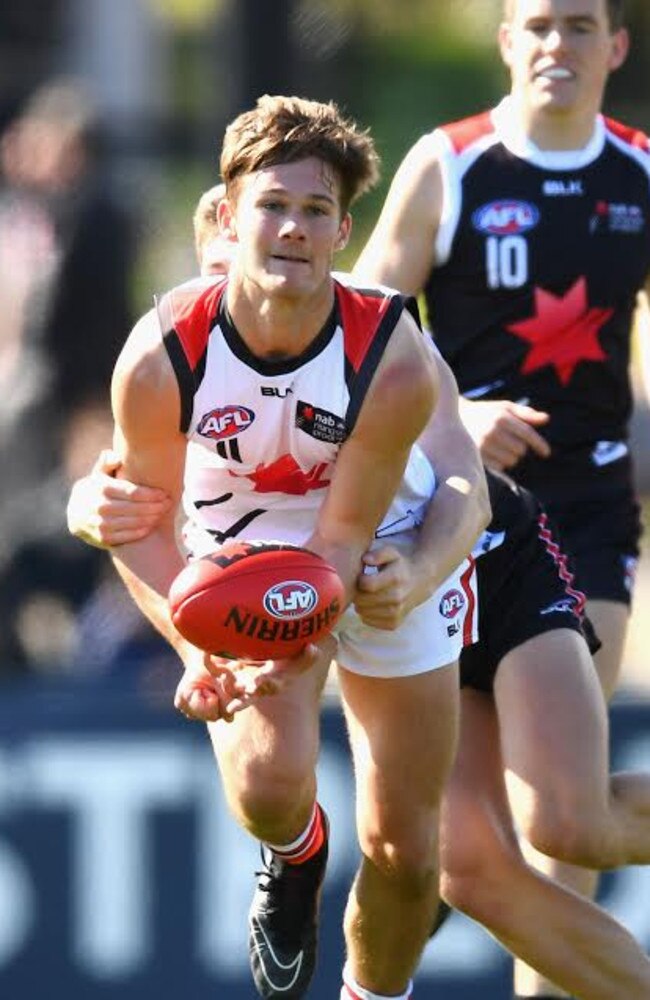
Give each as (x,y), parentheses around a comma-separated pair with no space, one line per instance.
(614,217)
(320,424)
(225,422)
(290,599)
(451,603)
(505,218)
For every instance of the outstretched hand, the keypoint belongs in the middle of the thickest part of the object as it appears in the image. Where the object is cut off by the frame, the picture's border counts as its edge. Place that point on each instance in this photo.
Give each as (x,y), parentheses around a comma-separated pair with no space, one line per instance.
(216,688)
(504,431)
(208,691)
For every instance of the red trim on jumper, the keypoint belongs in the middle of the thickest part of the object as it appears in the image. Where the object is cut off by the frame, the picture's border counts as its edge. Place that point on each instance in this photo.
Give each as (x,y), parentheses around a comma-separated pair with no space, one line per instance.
(466,131)
(193,315)
(361,314)
(633,136)
(468,590)
(560,560)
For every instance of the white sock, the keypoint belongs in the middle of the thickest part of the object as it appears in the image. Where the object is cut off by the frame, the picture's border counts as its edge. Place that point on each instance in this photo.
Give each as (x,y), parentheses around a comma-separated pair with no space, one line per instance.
(352,991)
(302,848)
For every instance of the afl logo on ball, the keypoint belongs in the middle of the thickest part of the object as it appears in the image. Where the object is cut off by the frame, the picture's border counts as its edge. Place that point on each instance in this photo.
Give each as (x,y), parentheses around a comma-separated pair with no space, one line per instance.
(451,603)
(290,599)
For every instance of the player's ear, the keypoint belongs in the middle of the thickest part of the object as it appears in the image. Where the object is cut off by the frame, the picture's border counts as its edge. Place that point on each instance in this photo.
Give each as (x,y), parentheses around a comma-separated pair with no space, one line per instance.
(505,43)
(620,48)
(226,220)
(345,229)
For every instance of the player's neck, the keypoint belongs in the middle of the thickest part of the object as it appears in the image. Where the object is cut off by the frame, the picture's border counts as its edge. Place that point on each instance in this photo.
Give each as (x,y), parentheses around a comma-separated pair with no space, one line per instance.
(275,325)
(554,129)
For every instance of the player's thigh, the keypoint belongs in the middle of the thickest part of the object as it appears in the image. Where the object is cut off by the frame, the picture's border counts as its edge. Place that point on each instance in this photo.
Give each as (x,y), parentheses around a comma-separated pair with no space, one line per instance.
(477,832)
(403,733)
(603,539)
(610,620)
(553,726)
(276,739)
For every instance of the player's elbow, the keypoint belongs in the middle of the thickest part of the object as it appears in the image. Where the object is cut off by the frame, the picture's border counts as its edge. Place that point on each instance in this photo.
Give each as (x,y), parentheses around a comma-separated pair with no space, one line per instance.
(477,488)
(481,495)
(471,486)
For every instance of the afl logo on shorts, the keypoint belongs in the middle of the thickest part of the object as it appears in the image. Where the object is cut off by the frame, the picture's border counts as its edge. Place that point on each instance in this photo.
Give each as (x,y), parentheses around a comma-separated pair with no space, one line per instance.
(290,599)
(505,218)
(225,422)
(451,603)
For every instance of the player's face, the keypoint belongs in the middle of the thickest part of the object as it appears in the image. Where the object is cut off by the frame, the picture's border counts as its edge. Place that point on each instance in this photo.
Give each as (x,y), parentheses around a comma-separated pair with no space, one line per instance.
(287,220)
(216,256)
(560,53)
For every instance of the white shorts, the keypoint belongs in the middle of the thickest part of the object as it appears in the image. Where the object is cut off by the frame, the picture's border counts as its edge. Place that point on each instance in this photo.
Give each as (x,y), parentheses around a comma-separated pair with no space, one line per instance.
(431,636)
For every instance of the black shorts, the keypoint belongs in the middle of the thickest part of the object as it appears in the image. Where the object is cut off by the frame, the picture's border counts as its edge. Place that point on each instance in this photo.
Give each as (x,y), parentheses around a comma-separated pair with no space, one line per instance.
(603,539)
(525,584)
(597,514)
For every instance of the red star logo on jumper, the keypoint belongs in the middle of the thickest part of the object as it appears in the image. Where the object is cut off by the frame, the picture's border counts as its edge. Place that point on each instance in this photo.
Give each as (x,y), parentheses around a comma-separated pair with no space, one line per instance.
(563,332)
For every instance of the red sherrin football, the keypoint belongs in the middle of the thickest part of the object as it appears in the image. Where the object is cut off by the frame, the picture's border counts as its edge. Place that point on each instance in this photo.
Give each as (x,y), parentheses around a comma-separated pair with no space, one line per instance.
(256,600)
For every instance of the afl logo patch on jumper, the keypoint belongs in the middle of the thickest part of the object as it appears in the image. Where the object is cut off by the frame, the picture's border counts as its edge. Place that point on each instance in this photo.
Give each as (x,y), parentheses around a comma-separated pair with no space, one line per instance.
(505,218)
(451,603)
(290,599)
(225,422)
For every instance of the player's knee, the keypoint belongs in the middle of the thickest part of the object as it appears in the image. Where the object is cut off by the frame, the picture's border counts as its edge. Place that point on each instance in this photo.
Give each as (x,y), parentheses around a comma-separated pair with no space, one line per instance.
(575,836)
(463,874)
(471,895)
(479,884)
(406,861)
(267,795)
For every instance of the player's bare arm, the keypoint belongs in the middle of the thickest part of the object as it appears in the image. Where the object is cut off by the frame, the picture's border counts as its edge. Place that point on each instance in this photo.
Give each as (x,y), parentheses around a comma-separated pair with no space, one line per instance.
(151,450)
(458,513)
(399,403)
(400,251)
(104,511)
(460,509)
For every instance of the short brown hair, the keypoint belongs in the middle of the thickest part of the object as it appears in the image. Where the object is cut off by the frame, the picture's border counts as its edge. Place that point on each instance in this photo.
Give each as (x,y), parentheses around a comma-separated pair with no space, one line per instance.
(615,12)
(286,129)
(205,223)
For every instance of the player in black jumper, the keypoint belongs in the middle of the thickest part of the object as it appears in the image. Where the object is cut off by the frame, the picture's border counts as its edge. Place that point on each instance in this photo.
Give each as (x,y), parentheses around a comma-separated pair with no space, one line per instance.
(527,227)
